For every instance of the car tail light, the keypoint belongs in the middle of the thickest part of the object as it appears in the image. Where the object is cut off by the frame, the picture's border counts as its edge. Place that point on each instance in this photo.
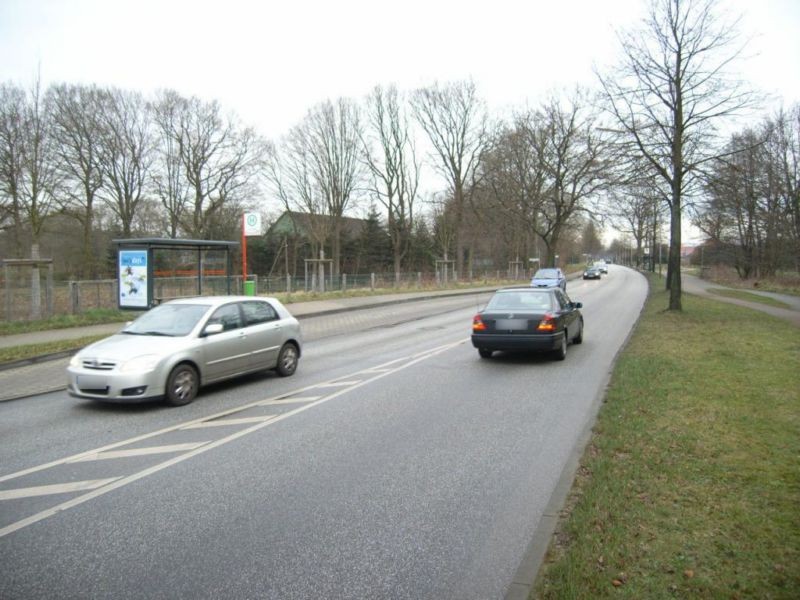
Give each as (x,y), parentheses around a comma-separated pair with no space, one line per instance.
(548,323)
(478,324)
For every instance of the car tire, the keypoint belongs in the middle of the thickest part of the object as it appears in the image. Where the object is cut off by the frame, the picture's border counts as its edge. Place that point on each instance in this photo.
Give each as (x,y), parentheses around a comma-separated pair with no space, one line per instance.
(182,385)
(485,352)
(578,339)
(287,360)
(561,353)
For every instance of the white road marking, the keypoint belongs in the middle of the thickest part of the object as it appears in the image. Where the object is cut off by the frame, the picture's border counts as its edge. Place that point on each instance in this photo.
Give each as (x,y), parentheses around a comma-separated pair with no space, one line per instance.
(338,383)
(139,452)
(225,422)
(56,488)
(296,400)
(120,482)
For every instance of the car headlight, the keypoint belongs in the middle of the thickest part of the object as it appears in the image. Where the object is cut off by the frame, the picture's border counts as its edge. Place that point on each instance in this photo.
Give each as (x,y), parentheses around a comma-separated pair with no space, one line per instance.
(145,362)
(75,361)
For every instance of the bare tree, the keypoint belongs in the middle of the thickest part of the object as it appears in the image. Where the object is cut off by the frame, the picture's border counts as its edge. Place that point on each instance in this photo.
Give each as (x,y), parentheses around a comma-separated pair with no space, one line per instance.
(168,176)
(667,95)
(391,158)
(573,154)
(219,159)
(127,153)
(78,131)
(455,120)
(333,138)
(513,183)
(784,143)
(12,149)
(291,178)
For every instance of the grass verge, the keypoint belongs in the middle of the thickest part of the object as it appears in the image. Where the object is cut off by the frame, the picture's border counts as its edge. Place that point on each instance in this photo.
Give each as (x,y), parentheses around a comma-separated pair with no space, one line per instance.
(33,350)
(690,485)
(749,297)
(90,317)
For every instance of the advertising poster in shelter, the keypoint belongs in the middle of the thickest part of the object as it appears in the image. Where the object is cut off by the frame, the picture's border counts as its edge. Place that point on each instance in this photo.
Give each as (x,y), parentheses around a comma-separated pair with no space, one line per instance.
(133,279)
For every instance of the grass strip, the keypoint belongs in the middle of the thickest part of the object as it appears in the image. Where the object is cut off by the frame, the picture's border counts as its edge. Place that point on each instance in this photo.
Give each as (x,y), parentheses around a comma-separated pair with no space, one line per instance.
(33,350)
(749,297)
(690,485)
(92,317)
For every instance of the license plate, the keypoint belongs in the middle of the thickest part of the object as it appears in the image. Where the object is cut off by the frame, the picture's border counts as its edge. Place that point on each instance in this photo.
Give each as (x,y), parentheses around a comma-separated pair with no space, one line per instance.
(511,324)
(91,382)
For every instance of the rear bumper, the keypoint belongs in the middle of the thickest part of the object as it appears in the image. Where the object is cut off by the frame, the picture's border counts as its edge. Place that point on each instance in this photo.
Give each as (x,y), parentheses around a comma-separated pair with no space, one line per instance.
(539,342)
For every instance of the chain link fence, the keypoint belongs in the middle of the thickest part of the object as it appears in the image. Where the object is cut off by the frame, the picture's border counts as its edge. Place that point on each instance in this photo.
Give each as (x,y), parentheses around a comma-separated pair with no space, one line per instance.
(17,294)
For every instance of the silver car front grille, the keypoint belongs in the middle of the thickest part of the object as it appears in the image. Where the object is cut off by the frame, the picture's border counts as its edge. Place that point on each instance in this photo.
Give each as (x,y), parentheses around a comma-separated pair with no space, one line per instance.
(97,364)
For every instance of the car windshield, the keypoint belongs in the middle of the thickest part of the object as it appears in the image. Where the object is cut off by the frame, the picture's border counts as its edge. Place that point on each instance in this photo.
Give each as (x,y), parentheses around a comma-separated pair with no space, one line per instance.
(546,274)
(520,301)
(168,320)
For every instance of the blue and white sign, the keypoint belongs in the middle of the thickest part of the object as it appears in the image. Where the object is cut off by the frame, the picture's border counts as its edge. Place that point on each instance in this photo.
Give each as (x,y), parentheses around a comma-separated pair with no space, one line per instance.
(133,279)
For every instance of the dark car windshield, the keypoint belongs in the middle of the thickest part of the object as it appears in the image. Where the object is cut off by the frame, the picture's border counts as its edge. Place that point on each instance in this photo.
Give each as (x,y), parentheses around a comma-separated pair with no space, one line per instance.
(168,320)
(546,274)
(520,301)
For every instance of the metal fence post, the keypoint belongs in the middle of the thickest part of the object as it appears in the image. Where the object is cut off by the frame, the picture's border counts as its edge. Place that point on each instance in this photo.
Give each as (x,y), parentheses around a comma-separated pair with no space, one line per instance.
(74,302)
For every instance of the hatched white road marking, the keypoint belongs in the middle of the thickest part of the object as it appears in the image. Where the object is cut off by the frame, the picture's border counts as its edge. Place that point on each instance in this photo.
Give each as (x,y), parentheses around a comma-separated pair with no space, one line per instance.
(223,422)
(56,488)
(119,482)
(139,452)
(297,400)
(339,383)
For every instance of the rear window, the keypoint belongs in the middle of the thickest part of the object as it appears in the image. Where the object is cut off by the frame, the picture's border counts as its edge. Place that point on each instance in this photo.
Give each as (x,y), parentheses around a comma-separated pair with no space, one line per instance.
(521,301)
(546,274)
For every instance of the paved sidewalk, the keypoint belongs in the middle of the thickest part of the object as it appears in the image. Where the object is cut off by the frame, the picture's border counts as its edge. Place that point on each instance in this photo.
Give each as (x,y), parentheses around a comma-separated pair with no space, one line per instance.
(702,287)
(45,374)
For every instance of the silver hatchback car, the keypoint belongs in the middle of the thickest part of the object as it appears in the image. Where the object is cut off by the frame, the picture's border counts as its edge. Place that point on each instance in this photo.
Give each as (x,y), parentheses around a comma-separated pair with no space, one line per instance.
(175,348)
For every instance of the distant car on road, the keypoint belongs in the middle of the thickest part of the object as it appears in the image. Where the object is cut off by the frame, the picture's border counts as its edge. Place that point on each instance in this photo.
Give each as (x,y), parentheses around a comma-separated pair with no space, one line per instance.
(528,319)
(177,347)
(601,264)
(546,278)
(592,272)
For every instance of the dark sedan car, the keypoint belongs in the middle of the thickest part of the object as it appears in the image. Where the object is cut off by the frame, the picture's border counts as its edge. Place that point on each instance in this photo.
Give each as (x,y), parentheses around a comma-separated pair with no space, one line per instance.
(592,272)
(528,319)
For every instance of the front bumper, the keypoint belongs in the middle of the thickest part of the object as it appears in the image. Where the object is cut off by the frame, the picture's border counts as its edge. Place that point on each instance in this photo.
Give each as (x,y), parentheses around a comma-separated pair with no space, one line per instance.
(112,386)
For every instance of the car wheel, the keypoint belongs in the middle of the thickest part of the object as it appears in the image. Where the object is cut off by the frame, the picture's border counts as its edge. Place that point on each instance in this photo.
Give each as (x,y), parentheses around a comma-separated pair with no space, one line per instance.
(578,339)
(182,385)
(561,353)
(485,353)
(287,360)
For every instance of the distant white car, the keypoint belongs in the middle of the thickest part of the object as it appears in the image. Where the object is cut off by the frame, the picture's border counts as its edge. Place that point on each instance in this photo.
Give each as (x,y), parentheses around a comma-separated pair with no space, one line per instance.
(601,264)
(175,348)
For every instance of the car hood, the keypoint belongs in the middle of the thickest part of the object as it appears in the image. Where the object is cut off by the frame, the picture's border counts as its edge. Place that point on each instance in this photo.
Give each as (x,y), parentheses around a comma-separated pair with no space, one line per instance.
(123,346)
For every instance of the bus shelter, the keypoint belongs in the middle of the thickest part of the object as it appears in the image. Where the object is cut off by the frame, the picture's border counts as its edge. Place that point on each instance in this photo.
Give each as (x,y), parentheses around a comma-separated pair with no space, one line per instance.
(151,270)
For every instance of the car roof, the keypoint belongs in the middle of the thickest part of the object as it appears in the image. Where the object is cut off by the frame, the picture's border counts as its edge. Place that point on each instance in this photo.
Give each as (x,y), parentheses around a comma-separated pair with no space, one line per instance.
(216,300)
(525,288)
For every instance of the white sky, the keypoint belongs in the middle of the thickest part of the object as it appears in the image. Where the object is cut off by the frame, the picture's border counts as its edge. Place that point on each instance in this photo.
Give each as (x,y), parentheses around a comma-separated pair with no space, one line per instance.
(271,61)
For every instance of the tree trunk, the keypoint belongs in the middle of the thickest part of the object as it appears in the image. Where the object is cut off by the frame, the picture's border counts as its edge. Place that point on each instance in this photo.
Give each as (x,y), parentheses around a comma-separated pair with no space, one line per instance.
(674,267)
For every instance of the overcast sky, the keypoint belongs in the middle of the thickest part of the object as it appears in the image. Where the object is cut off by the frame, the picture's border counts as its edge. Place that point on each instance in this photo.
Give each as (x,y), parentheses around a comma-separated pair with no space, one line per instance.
(269,62)
(272,61)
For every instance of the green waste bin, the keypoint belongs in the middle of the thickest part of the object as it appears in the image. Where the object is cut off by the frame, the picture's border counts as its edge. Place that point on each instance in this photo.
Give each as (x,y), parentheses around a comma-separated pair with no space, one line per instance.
(249,288)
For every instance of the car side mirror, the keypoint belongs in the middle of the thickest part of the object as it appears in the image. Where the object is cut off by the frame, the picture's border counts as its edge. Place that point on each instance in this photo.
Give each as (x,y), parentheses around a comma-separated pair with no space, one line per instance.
(213,329)
(577,304)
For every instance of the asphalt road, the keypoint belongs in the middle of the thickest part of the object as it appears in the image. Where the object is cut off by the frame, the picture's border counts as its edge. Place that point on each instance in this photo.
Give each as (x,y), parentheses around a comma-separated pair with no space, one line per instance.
(395,464)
